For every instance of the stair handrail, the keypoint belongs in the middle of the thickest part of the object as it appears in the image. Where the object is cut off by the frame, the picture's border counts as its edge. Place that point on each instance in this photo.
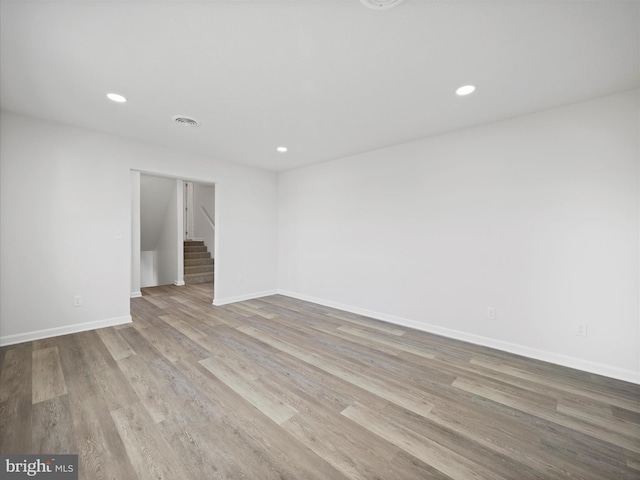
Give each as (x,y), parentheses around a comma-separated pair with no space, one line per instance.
(208,217)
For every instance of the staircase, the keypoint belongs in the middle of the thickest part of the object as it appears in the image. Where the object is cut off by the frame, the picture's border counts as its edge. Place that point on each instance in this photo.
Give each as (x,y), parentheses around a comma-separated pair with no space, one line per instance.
(198,264)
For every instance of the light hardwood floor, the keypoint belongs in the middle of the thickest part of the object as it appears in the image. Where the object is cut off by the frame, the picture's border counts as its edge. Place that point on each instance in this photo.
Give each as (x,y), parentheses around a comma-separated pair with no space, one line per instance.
(277,388)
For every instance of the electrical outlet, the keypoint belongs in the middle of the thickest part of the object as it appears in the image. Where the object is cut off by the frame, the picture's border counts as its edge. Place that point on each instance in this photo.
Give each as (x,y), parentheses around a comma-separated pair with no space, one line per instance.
(491,313)
(77,300)
(581,331)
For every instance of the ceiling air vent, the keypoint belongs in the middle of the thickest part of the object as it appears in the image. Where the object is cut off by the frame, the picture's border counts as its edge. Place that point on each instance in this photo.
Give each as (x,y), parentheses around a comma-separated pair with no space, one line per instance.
(186,121)
(381,4)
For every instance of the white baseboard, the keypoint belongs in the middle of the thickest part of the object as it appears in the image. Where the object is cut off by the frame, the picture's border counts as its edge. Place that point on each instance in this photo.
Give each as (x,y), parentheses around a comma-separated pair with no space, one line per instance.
(250,296)
(67,329)
(558,359)
(136,294)
(179,283)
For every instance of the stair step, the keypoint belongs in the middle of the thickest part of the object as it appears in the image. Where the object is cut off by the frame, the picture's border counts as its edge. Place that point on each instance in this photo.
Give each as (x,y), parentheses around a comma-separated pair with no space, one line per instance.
(198,269)
(193,243)
(192,278)
(195,255)
(198,264)
(195,248)
(198,261)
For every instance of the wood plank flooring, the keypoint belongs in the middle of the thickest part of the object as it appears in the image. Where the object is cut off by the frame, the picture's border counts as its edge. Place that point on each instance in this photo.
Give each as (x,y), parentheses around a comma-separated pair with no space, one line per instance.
(277,388)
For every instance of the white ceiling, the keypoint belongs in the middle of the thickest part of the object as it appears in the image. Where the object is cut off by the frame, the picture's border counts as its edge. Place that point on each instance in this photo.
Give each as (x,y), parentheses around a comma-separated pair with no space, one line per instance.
(325,78)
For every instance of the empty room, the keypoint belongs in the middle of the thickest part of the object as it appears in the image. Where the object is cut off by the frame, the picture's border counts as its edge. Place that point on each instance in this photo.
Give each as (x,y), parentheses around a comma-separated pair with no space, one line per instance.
(320,239)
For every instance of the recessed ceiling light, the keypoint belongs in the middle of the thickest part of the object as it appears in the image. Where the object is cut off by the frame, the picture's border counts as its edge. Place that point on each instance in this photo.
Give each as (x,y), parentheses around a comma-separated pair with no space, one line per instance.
(282,149)
(381,4)
(114,97)
(466,90)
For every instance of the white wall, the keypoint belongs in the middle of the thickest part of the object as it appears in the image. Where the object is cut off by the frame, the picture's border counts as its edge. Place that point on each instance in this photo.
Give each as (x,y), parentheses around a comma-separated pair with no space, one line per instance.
(155,195)
(149,269)
(204,196)
(537,216)
(62,241)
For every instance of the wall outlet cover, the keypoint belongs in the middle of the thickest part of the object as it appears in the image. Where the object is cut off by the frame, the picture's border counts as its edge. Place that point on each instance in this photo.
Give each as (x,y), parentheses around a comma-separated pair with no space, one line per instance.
(581,329)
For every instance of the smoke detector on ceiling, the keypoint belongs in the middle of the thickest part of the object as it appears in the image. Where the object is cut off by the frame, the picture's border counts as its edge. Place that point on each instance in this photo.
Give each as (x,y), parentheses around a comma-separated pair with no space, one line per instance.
(186,121)
(381,4)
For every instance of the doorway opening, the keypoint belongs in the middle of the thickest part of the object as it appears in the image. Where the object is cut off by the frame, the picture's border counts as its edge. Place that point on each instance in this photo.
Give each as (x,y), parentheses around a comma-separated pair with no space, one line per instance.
(173,232)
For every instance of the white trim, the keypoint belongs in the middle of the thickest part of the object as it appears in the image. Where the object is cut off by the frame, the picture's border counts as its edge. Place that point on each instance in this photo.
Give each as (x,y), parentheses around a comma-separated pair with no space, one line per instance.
(135,232)
(180,232)
(57,331)
(216,241)
(197,239)
(136,294)
(240,298)
(188,207)
(558,359)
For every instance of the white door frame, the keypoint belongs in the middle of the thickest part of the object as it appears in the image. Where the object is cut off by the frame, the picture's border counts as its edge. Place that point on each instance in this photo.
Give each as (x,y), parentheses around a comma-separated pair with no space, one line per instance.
(188,211)
(134,288)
